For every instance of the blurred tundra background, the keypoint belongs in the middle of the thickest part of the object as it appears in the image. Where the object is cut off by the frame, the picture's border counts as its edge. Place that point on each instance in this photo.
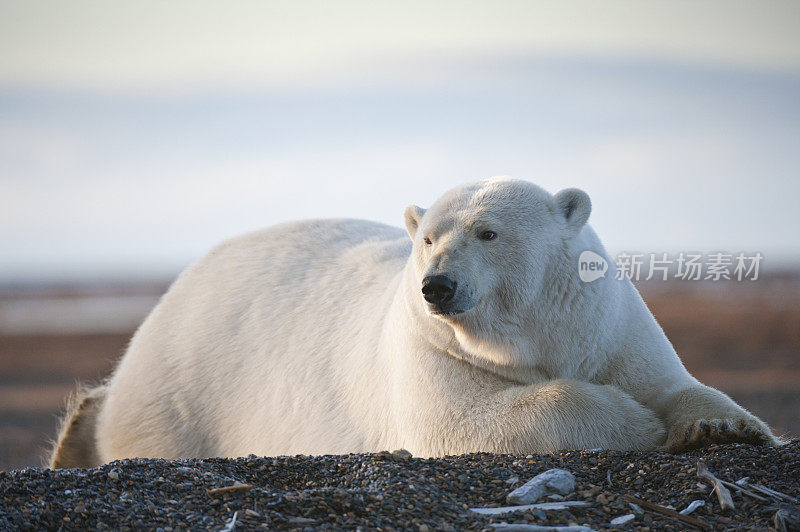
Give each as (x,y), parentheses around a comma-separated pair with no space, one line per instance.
(136,135)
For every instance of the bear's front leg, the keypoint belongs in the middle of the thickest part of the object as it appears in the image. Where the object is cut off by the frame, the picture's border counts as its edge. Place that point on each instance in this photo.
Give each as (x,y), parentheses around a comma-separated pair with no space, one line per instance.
(700,415)
(569,414)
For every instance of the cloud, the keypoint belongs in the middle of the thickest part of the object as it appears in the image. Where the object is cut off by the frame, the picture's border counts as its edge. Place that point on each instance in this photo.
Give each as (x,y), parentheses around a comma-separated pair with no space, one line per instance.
(149,43)
(674,156)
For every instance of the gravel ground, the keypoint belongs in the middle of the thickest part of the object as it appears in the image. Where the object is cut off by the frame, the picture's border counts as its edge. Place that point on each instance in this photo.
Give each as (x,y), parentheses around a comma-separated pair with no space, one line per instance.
(384,491)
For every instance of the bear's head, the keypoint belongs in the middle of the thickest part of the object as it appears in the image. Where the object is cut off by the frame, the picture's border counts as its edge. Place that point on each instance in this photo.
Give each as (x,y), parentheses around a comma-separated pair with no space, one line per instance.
(483,251)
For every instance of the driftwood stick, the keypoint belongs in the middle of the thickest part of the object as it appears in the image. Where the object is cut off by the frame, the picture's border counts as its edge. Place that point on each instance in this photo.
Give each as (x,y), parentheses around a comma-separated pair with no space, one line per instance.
(668,511)
(225,489)
(562,505)
(724,496)
(743,490)
(766,491)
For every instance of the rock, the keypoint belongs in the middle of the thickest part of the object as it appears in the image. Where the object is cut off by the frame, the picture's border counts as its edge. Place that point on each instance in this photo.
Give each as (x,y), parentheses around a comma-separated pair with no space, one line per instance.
(636,508)
(301,521)
(621,520)
(552,481)
(694,505)
(113,475)
(401,455)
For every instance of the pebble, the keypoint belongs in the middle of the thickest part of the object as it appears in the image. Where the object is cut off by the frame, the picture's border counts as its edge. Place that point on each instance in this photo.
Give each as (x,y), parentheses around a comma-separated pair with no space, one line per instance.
(553,481)
(694,505)
(621,520)
(401,454)
(636,508)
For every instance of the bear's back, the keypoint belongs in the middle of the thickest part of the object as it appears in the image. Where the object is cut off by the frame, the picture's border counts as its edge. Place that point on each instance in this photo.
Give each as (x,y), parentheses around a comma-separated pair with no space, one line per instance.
(239,332)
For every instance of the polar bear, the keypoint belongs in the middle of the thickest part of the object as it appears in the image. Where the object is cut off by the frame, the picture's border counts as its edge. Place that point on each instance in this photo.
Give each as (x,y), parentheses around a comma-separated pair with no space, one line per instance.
(340,336)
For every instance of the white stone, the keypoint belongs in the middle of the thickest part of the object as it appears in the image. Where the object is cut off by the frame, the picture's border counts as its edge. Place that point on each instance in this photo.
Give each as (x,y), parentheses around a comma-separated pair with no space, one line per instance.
(621,520)
(556,481)
(694,505)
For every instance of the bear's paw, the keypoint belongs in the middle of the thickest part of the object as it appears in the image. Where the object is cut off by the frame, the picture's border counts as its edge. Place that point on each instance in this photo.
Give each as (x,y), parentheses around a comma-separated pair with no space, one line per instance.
(696,433)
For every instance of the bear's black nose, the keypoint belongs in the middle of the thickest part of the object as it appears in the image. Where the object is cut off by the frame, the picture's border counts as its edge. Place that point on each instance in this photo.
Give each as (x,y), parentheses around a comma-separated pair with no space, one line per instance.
(438,289)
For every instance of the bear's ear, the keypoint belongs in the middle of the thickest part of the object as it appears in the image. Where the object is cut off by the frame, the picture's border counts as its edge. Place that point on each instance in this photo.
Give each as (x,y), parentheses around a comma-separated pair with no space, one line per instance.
(575,206)
(413,216)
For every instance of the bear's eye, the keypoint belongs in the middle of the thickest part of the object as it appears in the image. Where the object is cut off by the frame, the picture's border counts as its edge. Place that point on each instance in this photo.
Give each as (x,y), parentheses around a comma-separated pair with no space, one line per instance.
(487,235)
(427,241)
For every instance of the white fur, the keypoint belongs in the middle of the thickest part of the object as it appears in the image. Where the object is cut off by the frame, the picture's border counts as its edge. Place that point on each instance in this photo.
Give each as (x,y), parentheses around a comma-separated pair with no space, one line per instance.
(313,337)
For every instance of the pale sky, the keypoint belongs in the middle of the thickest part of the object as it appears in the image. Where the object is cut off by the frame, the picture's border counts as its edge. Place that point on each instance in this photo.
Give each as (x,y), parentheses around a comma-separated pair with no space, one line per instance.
(124,44)
(136,135)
